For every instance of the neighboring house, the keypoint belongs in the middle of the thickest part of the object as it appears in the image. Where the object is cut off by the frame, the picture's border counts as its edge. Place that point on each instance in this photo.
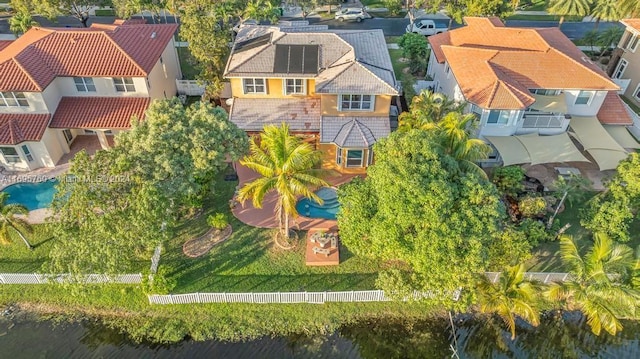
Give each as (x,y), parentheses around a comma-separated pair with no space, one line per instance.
(524,82)
(624,67)
(333,88)
(58,83)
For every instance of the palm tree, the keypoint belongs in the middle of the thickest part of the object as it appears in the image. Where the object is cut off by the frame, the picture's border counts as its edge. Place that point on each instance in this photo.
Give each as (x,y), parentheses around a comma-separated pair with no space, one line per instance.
(630,8)
(285,165)
(9,220)
(569,7)
(455,132)
(606,10)
(21,22)
(590,38)
(610,38)
(596,285)
(427,109)
(512,296)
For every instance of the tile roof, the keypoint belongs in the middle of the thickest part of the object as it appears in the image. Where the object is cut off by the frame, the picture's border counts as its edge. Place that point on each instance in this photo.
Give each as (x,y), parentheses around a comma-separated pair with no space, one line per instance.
(251,114)
(496,66)
(5,43)
(366,51)
(98,112)
(32,62)
(613,111)
(632,23)
(358,132)
(17,128)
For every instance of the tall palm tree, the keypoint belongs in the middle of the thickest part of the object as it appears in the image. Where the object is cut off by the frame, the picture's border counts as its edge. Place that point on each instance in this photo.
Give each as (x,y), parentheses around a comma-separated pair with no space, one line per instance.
(512,296)
(606,10)
(286,165)
(427,109)
(596,285)
(10,220)
(21,22)
(569,7)
(455,131)
(630,8)
(609,38)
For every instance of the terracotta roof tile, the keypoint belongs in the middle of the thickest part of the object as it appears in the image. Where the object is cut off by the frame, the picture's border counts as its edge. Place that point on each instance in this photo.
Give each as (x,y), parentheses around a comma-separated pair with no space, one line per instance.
(495,66)
(613,111)
(5,43)
(632,23)
(16,128)
(98,112)
(104,50)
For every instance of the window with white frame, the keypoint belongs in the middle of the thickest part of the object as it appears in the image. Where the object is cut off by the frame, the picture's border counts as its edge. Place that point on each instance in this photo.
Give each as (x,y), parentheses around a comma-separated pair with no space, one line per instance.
(10,155)
(252,86)
(338,156)
(295,87)
(498,117)
(355,158)
(370,159)
(545,92)
(622,65)
(584,97)
(27,153)
(124,84)
(68,135)
(633,44)
(636,93)
(84,84)
(13,99)
(356,102)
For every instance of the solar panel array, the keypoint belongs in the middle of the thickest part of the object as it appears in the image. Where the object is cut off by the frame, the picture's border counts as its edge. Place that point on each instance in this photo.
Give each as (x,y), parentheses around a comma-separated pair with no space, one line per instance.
(296,59)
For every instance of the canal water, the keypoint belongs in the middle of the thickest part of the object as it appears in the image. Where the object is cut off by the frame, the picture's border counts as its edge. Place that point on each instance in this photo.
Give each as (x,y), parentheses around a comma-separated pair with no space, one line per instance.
(557,336)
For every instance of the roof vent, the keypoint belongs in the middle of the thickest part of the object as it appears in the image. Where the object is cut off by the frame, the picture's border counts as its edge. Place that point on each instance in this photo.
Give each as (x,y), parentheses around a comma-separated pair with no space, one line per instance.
(153,35)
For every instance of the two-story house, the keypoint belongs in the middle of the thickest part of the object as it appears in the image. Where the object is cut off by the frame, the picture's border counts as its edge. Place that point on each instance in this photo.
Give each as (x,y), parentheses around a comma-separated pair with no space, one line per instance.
(624,67)
(334,88)
(532,82)
(59,83)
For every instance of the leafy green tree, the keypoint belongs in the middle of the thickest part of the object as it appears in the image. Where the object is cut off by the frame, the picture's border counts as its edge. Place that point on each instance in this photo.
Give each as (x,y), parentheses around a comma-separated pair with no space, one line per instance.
(21,22)
(512,296)
(427,109)
(54,8)
(593,287)
(509,179)
(286,165)
(418,207)
(510,248)
(569,8)
(415,48)
(394,6)
(532,206)
(500,8)
(10,220)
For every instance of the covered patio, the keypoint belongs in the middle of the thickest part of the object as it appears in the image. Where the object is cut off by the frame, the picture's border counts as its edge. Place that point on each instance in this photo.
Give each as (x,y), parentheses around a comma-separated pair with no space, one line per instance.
(90,143)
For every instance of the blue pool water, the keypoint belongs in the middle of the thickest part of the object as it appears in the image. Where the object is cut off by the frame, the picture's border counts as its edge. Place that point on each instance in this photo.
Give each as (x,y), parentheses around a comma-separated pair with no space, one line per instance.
(328,210)
(32,195)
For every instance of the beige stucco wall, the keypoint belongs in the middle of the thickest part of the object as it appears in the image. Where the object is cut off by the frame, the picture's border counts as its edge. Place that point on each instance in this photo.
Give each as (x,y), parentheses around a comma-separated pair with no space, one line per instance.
(632,71)
(329,159)
(104,88)
(163,76)
(274,89)
(46,153)
(329,107)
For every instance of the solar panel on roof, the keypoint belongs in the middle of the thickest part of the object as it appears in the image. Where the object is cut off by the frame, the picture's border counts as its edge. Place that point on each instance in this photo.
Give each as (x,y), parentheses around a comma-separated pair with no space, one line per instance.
(296,59)
(252,43)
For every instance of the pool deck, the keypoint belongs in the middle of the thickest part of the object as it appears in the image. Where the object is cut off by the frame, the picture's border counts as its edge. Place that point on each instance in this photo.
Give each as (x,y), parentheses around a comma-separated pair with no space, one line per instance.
(265,217)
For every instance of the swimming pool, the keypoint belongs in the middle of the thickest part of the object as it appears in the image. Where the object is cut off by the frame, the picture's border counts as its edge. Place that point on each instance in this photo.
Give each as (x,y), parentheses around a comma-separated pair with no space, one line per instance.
(328,210)
(32,195)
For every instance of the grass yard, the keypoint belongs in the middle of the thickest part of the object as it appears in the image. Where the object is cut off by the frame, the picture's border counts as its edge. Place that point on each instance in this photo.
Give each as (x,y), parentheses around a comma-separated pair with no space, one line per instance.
(372,4)
(534,5)
(407,78)
(248,261)
(16,258)
(188,64)
(631,104)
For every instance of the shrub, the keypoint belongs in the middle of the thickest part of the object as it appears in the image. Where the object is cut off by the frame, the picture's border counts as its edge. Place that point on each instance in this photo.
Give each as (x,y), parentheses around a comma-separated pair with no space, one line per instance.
(532,206)
(509,179)
(414,47)
(161,283)
(218,221)
(535,231)
(511,248)
(394,6)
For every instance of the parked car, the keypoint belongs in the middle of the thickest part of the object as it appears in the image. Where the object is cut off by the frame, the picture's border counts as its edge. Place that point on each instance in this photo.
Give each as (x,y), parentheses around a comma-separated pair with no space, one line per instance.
(426,27)
(357,14)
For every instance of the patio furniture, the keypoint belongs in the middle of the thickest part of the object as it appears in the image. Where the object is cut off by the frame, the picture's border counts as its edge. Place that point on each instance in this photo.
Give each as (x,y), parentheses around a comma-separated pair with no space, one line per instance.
(324,251)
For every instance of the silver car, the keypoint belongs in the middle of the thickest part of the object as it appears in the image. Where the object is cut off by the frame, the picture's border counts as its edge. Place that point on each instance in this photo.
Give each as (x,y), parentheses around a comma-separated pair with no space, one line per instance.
(357,14)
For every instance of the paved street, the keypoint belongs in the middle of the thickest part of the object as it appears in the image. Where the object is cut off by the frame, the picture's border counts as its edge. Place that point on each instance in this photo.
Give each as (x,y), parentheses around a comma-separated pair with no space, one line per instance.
(391,27)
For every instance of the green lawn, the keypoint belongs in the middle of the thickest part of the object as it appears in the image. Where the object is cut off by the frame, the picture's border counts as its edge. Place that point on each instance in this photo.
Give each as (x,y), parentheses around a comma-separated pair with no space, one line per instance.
(372,3)
(407,79)
(105,12)
(534,5)
(16,258)
(188,64)
(248,261)
(631,104)
(544,18)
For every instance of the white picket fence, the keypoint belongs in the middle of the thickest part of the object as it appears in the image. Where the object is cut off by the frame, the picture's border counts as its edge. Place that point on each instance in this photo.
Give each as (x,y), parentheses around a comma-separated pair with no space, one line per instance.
(279,297)
(36,278)
(189,88)
(542,277)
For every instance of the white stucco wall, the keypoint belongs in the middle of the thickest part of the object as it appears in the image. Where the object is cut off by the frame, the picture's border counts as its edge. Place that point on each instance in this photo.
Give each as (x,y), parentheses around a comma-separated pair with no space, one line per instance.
(444,82)
(590,109)
(163,76)
(495,129)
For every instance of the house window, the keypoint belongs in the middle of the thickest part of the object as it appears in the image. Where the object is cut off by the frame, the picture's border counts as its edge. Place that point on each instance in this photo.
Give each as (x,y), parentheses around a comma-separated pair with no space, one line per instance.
(295,87)
(356,102)
(13,99)
(124,84)
(27,153)
(68,136)
(633,44)
(149,83)
(370,158)
(338,156)
(545,92)
(10,154)
(446,69)
(636,93)
(584,97)
(84,84)
(354,158)
(620,69)
(254,86)
(498,117)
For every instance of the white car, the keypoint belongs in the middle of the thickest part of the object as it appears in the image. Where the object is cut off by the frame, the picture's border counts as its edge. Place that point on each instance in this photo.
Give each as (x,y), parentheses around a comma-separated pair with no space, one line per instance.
(357,14)
(426,27)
